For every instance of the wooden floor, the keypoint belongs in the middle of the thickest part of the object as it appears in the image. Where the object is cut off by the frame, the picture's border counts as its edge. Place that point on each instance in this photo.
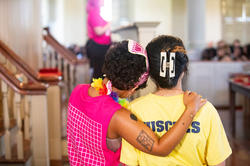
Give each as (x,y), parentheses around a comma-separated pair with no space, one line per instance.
(240,144)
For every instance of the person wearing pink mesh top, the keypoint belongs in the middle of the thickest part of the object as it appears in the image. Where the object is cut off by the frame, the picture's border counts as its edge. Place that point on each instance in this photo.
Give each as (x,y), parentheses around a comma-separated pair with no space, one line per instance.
(99,36)
(98,119)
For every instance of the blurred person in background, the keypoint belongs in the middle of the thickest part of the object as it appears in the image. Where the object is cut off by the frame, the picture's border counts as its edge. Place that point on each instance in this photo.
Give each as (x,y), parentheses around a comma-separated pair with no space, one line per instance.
(238,55)
(99,35)
(236,44)
(79,51)
(246,51)
(221,44)
(237,51)
(209,53)
(223,52)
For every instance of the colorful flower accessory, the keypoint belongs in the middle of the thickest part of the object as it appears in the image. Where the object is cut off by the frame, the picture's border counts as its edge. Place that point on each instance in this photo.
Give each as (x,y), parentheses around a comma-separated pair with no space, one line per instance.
(106,89)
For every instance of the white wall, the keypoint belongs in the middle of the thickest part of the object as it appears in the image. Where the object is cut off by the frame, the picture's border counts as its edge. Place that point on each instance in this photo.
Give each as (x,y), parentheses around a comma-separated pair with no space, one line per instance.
(172,14)
(75,22)
(173,17)
(179,19)
(67,20)
(213,21)
(20,29)
(153,10)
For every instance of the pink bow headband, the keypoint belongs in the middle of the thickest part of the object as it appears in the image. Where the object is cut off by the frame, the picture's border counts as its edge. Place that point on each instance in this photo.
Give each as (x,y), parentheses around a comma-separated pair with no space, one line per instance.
(136,48)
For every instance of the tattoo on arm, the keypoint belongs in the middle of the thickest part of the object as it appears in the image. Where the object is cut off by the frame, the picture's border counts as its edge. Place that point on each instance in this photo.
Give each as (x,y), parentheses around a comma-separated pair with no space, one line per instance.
(132,116)
(145,140)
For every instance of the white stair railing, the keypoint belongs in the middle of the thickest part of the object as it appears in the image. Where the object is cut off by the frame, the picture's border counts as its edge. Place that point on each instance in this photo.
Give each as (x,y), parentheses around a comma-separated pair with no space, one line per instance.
(6,121)
(27,126)
(20,152)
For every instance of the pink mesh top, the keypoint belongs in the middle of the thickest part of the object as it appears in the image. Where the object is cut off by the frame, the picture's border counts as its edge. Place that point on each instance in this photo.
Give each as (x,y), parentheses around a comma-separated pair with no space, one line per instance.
(95,20)
(87,125)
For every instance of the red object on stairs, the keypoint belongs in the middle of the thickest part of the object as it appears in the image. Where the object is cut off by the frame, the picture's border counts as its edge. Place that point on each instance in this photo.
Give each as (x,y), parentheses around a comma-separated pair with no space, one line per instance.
(49,72)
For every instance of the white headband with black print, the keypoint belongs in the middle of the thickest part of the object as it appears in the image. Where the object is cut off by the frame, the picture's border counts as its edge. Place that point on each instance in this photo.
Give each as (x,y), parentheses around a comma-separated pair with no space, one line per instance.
(167,64)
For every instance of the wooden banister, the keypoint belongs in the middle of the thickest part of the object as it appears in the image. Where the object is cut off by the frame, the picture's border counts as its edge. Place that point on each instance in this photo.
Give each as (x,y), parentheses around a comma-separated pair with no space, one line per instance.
(21,88)
(31,99)
(64,52)
(24,67)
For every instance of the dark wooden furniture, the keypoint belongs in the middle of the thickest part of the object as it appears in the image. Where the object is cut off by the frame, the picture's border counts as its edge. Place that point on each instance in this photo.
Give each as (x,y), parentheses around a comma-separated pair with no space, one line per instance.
(236,87)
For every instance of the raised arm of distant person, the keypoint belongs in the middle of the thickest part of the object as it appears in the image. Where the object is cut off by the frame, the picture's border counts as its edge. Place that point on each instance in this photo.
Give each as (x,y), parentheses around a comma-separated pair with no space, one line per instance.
(100,30)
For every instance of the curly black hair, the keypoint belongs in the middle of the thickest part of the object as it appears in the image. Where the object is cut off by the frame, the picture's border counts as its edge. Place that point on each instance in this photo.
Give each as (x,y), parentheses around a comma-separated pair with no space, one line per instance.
(168,44)
(123,68)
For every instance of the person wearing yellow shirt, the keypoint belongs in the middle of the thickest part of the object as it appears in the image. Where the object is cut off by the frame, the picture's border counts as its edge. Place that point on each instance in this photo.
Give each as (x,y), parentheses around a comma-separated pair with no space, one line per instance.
(205,142)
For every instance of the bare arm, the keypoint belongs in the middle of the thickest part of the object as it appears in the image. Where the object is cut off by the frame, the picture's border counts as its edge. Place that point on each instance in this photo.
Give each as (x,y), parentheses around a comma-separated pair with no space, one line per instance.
(100,30)
(126,125)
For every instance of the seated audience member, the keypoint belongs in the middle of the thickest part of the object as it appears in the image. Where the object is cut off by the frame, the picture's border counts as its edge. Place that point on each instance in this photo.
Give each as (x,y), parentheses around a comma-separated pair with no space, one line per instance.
(237,51)
(222,54)
(246,51)
(205,142)
(221,44)
(238,55)
(236,43)
(79,51)
(208,53)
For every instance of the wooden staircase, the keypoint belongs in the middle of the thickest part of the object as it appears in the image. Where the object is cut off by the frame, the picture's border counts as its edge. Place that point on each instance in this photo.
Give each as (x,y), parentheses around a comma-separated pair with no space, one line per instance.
(27,97)
(26,161)
(17,127)
(74,71)
(31,101)
(33,106)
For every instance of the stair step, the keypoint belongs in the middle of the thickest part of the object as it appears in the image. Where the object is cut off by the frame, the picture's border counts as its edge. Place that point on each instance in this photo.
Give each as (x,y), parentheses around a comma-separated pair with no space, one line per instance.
(63,162)
(14,160)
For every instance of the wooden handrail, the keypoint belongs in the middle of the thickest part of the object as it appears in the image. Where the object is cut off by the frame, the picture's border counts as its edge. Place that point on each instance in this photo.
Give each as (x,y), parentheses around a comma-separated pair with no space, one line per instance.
(64,52)
(25,68)
(21,88)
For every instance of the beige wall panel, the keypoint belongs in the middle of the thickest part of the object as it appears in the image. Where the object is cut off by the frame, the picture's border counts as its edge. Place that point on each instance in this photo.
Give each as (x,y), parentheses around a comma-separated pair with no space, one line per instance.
(20,28)
(75,22)
(179,19)
(148,10)
(213,21)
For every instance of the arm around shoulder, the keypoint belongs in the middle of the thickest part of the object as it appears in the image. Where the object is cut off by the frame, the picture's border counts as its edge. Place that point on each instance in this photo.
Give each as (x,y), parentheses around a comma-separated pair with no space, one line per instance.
(134,131)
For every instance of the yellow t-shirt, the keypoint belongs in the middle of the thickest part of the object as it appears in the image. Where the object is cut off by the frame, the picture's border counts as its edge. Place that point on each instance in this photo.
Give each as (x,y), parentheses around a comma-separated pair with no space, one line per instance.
(204,144)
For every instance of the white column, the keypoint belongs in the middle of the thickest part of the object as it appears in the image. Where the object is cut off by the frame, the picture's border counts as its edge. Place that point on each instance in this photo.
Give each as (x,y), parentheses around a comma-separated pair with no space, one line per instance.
(196,15)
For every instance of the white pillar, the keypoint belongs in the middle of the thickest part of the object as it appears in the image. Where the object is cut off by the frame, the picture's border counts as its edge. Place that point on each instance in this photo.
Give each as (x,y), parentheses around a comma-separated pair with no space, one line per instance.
(196,12)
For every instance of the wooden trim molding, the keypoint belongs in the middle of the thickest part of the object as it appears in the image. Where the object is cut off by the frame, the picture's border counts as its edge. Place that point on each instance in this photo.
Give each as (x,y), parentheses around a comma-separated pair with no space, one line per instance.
(24,67)
(64,52)
(21,88)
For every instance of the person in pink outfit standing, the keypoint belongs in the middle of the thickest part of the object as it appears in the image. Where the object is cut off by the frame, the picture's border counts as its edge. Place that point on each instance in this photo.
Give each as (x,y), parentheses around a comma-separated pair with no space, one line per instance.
(97,121)
(99,36)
